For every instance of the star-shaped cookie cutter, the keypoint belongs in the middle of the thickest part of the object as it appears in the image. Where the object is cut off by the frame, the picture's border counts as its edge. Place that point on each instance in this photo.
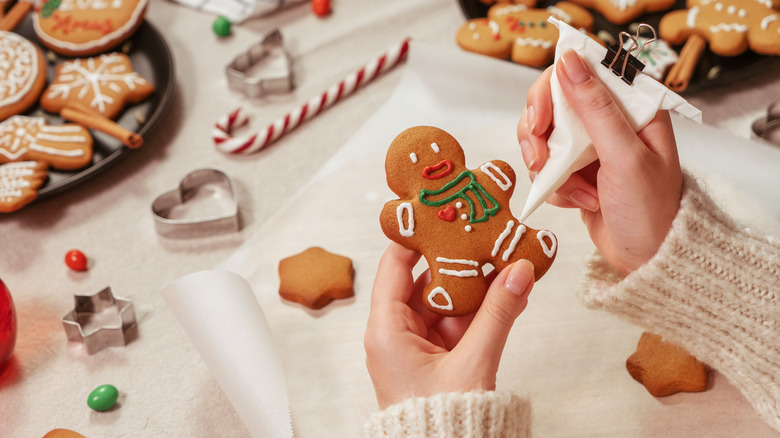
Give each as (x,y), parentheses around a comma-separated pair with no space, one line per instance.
(100,320)
(768,129)
(261,82)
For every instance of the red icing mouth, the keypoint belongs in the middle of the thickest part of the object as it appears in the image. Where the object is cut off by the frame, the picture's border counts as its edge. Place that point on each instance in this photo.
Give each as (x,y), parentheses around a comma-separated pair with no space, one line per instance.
(430,171)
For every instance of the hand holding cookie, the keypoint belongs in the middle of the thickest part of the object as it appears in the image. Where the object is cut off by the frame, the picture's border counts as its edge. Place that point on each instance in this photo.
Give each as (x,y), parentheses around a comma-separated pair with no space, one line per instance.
(413,352)
(635,185)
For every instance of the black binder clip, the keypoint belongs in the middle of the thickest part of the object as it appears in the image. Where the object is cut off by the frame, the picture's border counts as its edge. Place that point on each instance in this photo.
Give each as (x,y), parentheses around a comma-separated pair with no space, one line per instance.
(619,59)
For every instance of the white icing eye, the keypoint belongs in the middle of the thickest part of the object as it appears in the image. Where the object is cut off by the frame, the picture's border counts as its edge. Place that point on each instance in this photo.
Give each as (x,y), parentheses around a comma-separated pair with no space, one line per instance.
(476,36)
(435,147)
(718,6)
(472,26)
(413,157)
(742,13)
(731,9)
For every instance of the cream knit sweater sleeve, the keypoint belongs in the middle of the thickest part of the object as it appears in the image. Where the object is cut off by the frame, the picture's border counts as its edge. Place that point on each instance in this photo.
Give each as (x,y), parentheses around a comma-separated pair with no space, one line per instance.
(712,288)
(490,414)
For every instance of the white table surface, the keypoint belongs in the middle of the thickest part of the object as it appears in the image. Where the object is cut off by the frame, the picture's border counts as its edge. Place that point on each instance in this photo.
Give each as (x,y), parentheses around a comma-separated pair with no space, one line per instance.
(166,390)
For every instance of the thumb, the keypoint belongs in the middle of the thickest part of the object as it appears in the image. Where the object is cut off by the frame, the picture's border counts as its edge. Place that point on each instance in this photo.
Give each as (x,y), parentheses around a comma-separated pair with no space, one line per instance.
(506,299)
(609,129)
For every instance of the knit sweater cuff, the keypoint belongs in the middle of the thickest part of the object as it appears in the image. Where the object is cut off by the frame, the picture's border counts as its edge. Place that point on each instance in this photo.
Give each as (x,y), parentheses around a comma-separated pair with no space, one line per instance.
(712,288)
(472,414)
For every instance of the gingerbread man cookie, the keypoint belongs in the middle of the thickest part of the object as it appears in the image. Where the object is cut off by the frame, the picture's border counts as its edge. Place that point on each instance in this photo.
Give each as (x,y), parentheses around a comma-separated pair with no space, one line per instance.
(22,74)
(67,146)
(623,11)
(103,84)
(730,26)
(519,32)
(19,183)
(459,219)
(87,27)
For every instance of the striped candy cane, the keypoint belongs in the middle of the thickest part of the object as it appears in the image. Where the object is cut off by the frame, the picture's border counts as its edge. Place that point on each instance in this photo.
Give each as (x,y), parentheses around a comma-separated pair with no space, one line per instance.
(223,129)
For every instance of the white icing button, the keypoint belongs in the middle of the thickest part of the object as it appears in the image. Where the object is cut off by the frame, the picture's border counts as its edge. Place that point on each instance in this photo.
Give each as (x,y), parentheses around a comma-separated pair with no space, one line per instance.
(468,227)
(464,216)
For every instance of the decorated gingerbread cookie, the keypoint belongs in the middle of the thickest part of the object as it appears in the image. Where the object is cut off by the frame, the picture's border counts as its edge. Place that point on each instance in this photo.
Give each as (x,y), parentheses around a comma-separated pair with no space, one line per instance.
(730,26)
(623,11)
(66,147)
(22,74)
(19,183)
(103,84)
(519,32)
(87,27)
(458,218)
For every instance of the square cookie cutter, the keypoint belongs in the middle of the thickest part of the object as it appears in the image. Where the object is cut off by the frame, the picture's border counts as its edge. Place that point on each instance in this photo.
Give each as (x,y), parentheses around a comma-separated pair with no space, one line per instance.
(249,74)
(101,320)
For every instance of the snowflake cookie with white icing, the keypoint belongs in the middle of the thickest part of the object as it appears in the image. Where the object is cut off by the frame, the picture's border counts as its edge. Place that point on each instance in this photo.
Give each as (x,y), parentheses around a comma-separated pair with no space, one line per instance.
(458,218)
(624,11)
(22,74)
(103,84)
(87,27)
(19,183)
(66,147)
(520,33)
(730,26)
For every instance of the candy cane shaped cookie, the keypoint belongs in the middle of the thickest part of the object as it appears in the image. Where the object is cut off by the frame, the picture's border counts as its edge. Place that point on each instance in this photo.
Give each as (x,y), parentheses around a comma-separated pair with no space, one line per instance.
(222,133)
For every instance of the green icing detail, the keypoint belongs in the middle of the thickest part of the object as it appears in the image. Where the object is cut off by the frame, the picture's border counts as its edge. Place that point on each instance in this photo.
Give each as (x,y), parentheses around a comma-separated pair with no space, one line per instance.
(49,7)
(482,196)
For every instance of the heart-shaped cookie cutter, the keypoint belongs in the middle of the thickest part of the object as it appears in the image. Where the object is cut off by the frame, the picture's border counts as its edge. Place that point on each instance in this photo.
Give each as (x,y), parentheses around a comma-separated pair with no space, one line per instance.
(768,128)
(224,221)
(261,82)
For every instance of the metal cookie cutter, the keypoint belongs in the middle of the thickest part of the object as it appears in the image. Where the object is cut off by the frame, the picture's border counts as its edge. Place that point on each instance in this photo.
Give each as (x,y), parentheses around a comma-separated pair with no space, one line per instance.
(768,129)
(100,320)
(216,213)
(250,72)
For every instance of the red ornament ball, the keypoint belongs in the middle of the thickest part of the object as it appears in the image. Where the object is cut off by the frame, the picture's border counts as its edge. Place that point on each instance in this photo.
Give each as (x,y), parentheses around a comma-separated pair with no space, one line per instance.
(7,326)
(320,8)
(76,260)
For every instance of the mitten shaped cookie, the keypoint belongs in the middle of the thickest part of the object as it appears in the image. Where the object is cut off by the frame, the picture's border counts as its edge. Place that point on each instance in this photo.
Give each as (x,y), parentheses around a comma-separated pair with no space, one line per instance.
(19,183)
(519,32)
(67,146)
(730,26)
(459,219)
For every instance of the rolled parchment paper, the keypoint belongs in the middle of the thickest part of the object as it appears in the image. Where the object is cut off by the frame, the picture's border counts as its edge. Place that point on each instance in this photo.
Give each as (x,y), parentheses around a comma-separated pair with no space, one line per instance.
(221,316)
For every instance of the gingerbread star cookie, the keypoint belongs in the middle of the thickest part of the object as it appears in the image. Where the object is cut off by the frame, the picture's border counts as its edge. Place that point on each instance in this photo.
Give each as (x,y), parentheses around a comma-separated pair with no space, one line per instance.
(87,27)
(665,369)
(103,84)
(315,277)
(458,218)
(19,183)
(67,146)
(519,32)
(22,74)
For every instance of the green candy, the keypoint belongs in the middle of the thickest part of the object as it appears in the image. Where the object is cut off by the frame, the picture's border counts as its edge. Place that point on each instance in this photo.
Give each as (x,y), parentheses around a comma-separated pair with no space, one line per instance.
(103,397)
(221,26)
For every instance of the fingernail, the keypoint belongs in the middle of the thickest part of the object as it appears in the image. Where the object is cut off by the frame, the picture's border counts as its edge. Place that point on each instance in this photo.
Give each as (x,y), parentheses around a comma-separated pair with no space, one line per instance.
(531,118)
(584,200)
(520,278)
(529,154)
(574,67)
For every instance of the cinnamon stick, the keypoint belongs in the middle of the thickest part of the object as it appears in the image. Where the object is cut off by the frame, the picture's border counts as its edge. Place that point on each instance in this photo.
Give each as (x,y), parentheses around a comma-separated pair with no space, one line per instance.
(682,71)
(93,120)
(15,15)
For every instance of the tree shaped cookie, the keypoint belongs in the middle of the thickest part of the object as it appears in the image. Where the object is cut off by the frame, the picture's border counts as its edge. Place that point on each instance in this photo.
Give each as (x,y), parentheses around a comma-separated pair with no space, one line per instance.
(67,146)
(103,84)
(19,184)
(519,32)
(458,218)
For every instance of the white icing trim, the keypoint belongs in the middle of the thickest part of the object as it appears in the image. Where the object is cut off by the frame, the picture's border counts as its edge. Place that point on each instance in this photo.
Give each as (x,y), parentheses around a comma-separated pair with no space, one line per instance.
(440,291)
(487,169)
(693,13)
(461,274)
(501,238)
(518,234)
(457,261)
(29,50)
(399,212)
(549,251)
(736,27)
(767,20)
(534,42)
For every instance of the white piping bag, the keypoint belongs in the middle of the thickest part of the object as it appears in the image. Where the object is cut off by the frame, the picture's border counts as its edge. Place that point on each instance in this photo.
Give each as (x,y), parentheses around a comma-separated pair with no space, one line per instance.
(571,148)
(221,316)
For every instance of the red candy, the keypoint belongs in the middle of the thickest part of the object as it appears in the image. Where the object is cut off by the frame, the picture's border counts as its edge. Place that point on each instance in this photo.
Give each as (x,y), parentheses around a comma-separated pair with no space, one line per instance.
(320,8)
(76,260)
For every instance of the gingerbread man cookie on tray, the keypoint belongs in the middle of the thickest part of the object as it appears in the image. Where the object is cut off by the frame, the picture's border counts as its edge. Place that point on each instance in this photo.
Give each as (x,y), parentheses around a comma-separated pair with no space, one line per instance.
(459,219)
